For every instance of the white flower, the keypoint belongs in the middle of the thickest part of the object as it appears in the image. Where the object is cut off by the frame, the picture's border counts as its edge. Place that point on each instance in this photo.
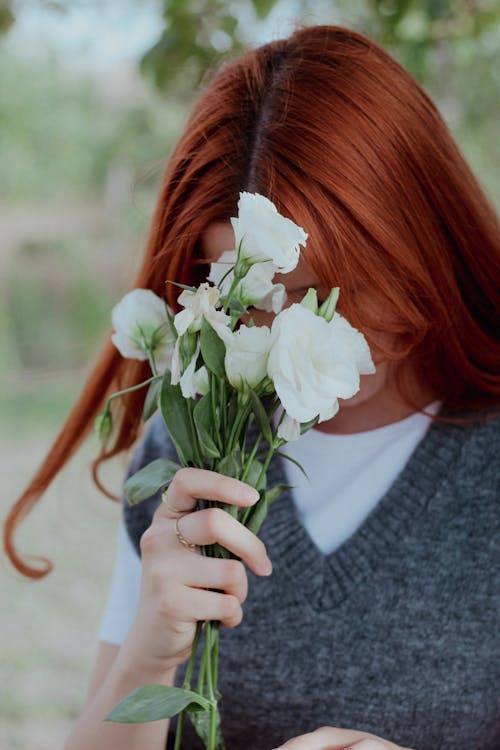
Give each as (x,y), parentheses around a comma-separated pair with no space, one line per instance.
(193,382)
(141,324)
(201,383)
(255,289)
(266,235)
(313,363)
(247,350)
(198,305)
(289,429)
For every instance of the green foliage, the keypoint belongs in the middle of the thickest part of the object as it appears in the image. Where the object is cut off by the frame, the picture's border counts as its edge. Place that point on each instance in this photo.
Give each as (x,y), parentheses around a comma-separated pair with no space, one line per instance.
(213,349)
(7,17)
(178,418)
(197,33)
(146,482)
(261,415)
(205,427)
(151,400)
(154,702)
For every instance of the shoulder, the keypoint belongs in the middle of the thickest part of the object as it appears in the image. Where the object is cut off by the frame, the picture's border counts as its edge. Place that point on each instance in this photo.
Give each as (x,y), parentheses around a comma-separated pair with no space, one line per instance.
(472,447)
(477,436)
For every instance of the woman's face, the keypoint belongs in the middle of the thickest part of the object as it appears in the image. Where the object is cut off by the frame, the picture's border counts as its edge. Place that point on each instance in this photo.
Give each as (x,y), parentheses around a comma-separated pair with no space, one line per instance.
(377,402)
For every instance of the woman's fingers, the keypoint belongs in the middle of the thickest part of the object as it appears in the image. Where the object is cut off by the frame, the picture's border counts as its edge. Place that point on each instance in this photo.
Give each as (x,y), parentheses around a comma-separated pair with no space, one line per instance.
(216,525)
(190,484)
(191,605)
(333,738)
(228,576)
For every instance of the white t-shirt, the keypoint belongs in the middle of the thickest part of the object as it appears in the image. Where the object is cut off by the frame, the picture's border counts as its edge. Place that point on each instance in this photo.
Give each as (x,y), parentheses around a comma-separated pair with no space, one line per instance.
(339,494)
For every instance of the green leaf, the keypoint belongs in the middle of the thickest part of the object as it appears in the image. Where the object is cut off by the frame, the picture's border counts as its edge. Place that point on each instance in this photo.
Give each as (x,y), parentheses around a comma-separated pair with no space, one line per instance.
(201,722)
(170,318)
(213,349)
(146,482)
(273,493)
(306,426)
(254,475)
(293,460)
(151,400)
(154,702)
(7,17)
(263,7)
(205,428)
(258,515)
(235,316)
(236,305)
(261,416)
(175,411)
(231,465)
(182,286)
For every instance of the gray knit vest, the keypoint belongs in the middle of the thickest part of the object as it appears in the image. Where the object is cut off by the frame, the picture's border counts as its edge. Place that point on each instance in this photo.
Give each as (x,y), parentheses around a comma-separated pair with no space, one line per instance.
(397,632)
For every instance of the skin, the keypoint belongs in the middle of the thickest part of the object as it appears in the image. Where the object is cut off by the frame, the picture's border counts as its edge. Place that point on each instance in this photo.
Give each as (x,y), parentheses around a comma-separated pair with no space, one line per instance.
(180,587)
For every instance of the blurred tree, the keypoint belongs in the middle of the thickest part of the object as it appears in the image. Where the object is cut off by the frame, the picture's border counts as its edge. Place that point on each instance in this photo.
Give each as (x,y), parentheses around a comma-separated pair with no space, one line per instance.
(194,34)
(197,33)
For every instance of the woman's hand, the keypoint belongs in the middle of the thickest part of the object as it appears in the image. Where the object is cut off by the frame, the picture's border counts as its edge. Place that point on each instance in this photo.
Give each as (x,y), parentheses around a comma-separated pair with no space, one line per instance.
(331,738)
(177,582)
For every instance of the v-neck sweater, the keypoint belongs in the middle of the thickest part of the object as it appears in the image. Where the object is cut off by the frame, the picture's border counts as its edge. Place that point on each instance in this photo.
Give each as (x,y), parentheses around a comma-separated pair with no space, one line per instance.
(396,632)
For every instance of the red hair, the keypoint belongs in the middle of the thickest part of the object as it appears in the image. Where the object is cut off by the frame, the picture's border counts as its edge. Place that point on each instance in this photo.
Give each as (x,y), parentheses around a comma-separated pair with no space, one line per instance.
(341,138)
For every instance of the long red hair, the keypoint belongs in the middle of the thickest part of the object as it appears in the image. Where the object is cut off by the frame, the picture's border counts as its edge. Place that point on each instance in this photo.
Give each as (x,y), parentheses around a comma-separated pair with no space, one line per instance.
(341,138)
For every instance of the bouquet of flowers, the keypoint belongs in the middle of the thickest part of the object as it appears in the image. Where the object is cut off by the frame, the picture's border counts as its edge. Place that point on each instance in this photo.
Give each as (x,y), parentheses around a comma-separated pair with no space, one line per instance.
(212,376)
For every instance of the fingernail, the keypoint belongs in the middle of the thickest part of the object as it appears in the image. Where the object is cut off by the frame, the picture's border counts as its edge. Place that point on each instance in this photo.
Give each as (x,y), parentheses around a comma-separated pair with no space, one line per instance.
(252,495)
(267,569)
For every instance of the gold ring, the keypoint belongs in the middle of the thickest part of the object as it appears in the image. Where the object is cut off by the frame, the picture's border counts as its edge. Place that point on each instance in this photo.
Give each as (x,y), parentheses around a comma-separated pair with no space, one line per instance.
(182,539)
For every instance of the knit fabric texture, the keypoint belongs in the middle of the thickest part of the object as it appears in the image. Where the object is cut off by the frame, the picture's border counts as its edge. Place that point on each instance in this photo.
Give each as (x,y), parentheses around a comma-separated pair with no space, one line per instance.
(397,632)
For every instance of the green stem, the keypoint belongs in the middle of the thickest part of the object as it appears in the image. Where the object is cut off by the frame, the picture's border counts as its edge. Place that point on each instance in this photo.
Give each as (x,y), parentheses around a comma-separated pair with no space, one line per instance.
(227,301)
(178,731)
(265,467)
(207,656)
(215,421)
(133,388)
(238,424)
(152,362)
(187,683)
(272,448)
(198,455)
(201,674)
(215,657)
(251,457)
(206,676)
(194,648)
(223,410)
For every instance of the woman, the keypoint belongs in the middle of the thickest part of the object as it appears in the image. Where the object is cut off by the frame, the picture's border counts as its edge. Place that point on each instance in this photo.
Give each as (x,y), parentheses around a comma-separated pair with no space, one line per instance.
(380,621)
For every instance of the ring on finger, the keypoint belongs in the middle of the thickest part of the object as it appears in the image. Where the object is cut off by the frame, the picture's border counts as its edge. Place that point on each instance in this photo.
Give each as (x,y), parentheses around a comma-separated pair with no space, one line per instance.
(182,539)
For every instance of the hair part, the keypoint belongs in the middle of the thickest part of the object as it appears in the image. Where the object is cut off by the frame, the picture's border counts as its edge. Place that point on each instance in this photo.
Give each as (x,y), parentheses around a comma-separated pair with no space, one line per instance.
(342,139)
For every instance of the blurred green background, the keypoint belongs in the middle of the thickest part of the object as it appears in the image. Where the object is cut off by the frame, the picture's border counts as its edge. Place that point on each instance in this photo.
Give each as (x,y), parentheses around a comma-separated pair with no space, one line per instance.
(94,95)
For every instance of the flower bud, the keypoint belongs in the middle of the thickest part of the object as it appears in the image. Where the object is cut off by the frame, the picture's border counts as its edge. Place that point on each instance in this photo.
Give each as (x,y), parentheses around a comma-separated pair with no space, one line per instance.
(102,425)
(310,300)
(188,344)
(327,309)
